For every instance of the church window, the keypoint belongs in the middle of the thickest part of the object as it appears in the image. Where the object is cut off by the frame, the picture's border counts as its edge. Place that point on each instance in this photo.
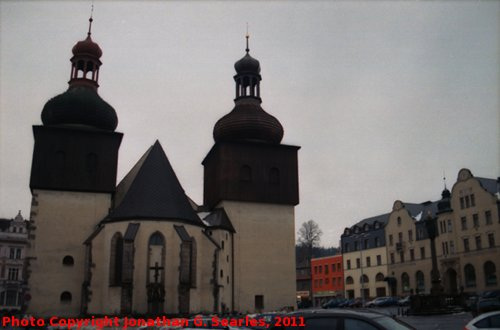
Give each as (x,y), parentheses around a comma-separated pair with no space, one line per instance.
(156,239)
(116,260)
(68,261)
(274,176)
(65,297)
(245,173)
(227,279)
(222,245)
(221,273)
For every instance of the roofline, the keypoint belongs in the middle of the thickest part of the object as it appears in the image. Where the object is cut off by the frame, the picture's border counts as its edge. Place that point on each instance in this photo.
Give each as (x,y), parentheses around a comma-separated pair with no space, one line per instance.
(142,218)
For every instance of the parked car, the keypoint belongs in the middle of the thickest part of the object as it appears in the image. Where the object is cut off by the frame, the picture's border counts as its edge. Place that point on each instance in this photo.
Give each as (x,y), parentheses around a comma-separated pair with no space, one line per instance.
(488,302)
(343,319)
(346,303)
(356,303)
(404,301)
(304,304)
(333,303)
(489,320)
(382,302)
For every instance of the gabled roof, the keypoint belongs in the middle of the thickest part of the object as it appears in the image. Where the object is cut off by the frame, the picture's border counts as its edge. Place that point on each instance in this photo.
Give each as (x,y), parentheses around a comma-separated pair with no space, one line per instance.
(218,219)
(151,191)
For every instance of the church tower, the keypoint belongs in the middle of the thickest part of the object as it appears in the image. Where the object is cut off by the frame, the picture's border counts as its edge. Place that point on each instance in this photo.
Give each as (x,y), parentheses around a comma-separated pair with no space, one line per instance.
(254,177)
(73,178)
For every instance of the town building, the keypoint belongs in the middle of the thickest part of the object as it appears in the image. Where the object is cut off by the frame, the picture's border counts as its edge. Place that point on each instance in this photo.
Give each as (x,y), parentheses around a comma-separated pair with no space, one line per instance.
(327,278)
(143,246)
(303,278)
(13,245)
(467,246)
(365,259)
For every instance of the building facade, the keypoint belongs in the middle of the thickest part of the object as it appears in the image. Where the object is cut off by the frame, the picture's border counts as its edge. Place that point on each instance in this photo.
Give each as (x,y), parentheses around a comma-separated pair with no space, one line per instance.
(13,246)
(142,246)
(327,277)
(467,246)
(365,259)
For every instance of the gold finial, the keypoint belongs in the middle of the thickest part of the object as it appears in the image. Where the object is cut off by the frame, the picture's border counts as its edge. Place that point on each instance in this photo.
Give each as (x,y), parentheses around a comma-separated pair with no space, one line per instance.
(247,36)
(91,19)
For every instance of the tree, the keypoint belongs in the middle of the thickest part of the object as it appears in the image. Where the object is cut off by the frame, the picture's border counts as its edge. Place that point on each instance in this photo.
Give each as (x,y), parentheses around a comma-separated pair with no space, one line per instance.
(309,236)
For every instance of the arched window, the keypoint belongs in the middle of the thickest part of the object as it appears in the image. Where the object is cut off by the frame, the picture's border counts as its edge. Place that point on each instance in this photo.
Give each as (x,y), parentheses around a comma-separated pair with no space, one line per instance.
(156,239)
(349,280)
(419,279)
(405,282)
(246,173)
(470,276)
(274,176)
(490,273)
(156,257)
(68,261)
(363,279)
(116,260)
(379,277)
(65,297)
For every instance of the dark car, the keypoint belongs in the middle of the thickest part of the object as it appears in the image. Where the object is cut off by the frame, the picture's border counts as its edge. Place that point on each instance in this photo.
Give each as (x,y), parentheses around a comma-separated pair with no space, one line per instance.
(358,302)
(340,319)
(333,303)
(488,302)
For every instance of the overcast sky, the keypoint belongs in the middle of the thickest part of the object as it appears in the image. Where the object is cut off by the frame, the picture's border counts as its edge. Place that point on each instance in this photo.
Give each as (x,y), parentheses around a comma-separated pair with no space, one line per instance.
(383,97)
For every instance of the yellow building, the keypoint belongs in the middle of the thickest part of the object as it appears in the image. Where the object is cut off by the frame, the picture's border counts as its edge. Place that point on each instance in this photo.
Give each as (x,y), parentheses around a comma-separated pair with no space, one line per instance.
(467,246)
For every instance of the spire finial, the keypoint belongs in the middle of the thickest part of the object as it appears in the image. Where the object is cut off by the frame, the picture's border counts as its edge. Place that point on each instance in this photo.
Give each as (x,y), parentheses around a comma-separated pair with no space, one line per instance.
(444,179)
(247,36)
(91,19)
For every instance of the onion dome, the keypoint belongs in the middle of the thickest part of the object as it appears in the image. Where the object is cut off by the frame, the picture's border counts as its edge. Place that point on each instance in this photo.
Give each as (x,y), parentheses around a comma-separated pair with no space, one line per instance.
(444,204)
(247,64)
(248,121)
(87,47)
(80,105)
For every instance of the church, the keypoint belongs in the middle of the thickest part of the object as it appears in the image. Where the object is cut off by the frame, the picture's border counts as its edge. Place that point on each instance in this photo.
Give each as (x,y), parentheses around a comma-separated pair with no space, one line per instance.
(142,246)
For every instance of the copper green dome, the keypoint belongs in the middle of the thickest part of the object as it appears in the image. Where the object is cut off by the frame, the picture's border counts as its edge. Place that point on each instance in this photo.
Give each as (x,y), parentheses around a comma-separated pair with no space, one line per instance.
(80,105)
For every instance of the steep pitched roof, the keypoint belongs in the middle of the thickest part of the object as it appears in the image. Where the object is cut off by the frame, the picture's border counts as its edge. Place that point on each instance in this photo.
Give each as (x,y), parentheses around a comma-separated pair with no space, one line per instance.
(152,191)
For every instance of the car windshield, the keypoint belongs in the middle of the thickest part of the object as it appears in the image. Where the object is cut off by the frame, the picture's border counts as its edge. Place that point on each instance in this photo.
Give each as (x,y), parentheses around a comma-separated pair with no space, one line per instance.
(390,323)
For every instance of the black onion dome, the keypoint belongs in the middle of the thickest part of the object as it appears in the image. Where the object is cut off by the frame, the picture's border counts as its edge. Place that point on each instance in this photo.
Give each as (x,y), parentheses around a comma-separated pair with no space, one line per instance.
(248,122)
(80,105)
(247,64)
(446,193)
(87,47)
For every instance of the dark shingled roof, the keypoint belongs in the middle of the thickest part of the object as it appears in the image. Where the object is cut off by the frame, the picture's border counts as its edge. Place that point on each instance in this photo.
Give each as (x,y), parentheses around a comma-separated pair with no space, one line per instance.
(490,185)
(218,219)
(151,191)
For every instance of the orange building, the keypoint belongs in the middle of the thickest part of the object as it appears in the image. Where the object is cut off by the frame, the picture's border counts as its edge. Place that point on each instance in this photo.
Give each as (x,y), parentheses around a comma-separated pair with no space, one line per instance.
(327,276)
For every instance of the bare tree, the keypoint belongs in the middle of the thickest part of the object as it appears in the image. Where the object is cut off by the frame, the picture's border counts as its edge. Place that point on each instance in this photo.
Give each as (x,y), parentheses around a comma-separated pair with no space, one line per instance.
(309,236)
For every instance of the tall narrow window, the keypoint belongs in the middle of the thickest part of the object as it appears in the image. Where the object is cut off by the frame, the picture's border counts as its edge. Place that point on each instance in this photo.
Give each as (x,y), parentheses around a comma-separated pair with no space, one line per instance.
(65,297)
(419,277)
(490,273)
(259,302)
(470,276)
(116,260)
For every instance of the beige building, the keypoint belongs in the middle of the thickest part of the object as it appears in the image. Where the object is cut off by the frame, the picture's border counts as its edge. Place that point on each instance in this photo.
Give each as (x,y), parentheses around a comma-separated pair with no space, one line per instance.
(13,245)
(365,259)
(466,246)
(142,246)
